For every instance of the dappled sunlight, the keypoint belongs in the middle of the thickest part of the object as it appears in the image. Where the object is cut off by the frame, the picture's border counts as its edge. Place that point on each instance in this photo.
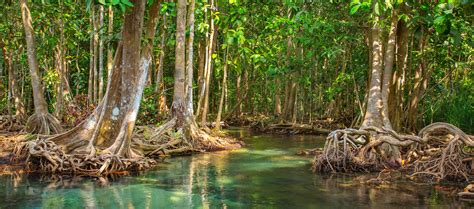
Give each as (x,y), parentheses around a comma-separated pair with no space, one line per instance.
(236,104)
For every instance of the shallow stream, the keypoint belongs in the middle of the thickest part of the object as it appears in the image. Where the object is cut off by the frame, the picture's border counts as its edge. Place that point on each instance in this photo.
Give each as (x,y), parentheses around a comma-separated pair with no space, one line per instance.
(265,174)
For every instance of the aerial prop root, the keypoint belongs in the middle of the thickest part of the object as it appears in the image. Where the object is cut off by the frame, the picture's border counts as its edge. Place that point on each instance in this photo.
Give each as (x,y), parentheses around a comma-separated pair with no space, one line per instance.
(440,151)
(43,123)
(46,156)
(169,139)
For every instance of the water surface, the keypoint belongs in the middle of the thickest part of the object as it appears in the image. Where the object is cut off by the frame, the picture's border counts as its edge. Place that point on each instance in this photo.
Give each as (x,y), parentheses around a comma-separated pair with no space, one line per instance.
(265,174)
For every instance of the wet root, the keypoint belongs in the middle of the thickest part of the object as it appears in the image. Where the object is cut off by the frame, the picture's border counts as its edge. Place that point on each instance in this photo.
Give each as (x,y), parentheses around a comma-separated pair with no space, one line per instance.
(441,151)
(46,156)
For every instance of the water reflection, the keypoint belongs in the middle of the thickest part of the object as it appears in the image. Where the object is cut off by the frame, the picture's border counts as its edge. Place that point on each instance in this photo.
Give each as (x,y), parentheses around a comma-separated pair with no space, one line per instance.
(266,174)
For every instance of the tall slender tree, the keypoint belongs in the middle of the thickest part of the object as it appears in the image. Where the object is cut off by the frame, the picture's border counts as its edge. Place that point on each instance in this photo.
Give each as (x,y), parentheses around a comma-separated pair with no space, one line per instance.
(41,121)
(192,138)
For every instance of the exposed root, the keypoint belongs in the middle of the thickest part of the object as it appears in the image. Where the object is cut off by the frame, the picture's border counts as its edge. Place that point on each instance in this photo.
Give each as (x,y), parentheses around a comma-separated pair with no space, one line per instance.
(344,152)
(73,151)
(291,128)
(441,151)
(170,140)
(46,156)
(46,124)
(449,155)
(10,123)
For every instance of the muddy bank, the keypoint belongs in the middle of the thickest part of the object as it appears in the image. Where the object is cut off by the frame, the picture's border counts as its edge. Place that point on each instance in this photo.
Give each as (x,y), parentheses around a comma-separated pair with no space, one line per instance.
(8,165)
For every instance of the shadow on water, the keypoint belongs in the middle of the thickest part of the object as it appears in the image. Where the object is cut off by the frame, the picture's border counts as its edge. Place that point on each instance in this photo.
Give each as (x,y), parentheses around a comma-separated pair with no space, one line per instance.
(265,174)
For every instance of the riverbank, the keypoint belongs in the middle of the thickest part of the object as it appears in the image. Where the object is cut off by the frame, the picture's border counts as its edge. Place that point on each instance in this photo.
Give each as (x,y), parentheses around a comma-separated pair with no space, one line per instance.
(265,173)
(272,125)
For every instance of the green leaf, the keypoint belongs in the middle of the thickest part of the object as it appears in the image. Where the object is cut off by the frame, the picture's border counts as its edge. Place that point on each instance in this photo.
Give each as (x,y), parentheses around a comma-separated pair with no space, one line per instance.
(127,2)
(439,24)
(377,8)
(354,2)
(230,40)
(122,7)
(115,2)
(88,5)
(354,9)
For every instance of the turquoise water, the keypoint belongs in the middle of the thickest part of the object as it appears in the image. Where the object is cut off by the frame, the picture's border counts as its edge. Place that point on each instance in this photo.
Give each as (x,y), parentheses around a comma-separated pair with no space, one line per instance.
(265,174)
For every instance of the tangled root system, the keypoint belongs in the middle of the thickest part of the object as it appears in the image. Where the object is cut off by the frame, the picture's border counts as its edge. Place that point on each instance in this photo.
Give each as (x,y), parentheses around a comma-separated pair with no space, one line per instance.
(169,140)
(79,156)
(441,151)
(43,123)
(46,156)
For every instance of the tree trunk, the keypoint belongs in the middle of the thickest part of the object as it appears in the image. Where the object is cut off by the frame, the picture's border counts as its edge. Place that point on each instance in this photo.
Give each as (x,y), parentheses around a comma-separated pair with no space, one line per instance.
(179,96)
(291,101)
(277,97)
(238,94)
(159,88)
(246,99)
(217,127)
(418,89)
(192,137)
(4,86)
(205,107)
(90,88)
(373,116)
(63,88)
(101,54)
(388,66)
(402,65)
(59,95)
(206,56)
(286,100)
(189,61)
(39,101)
(108,131)
(2,68)
(96,56)
(110,31)
(13,88)
(41,122)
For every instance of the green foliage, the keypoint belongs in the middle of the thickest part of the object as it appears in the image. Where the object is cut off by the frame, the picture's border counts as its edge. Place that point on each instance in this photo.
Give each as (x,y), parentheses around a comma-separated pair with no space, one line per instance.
(322,46)
(149,113)
(121,4)
(455,106)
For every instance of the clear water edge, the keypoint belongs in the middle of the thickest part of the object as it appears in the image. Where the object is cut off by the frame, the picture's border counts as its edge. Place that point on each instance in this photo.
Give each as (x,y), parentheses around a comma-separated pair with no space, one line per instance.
(265,174)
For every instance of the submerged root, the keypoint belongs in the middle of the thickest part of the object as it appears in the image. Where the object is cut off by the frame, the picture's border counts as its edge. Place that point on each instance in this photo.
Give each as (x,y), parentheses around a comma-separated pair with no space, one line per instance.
(343,152)
(441,151)
(43,123)
(46,156)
